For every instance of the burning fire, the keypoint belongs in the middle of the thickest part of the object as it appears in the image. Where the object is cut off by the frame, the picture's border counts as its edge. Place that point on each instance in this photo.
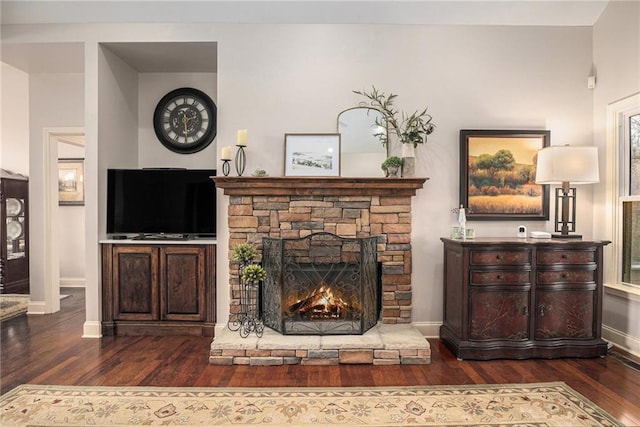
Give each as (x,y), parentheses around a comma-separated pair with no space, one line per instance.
(320,304)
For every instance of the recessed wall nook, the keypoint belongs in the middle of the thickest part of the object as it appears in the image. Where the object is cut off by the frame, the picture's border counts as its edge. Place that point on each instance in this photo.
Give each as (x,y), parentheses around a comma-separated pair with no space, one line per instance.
(294,207)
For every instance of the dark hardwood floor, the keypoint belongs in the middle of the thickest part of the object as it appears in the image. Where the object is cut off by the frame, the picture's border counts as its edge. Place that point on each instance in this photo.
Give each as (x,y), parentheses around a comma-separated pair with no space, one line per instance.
(48,349)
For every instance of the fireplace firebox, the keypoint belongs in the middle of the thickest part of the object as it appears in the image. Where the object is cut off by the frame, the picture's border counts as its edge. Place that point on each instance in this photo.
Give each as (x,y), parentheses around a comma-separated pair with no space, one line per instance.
(321,284)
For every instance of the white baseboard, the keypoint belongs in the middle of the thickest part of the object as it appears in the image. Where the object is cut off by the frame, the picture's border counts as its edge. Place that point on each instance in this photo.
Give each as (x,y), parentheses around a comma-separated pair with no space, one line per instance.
(624,341)
(36,307)
(428,329)
(72,282)
(92,329)
(217,330)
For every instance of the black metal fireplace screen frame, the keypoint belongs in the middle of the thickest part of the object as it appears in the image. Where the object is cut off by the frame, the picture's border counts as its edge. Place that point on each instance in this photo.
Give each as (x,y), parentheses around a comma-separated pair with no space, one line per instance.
(299,267)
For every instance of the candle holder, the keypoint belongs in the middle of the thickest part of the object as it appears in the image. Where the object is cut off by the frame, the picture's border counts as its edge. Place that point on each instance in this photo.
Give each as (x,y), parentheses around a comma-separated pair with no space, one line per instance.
(225,167)
(241,160)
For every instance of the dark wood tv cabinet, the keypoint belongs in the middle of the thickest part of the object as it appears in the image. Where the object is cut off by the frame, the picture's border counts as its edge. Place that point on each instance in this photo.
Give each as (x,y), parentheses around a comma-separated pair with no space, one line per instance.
(158,288)
(523,298)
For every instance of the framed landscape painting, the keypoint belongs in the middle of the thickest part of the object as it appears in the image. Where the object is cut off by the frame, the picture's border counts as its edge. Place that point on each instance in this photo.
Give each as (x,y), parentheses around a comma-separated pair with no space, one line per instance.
(315,154)
(71,182)
(498,173)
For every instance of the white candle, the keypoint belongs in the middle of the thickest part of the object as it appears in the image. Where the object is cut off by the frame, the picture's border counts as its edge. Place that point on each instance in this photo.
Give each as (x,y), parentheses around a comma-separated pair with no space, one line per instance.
(242,138)
(226,153)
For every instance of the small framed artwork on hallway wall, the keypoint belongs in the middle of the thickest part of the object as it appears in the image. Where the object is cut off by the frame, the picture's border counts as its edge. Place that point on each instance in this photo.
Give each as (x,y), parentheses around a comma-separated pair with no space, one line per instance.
(71,182)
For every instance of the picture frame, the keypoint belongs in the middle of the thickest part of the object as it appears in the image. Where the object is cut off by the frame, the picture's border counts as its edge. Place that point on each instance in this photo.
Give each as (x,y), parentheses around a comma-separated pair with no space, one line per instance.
(312,154)
(71,182)
(497,175)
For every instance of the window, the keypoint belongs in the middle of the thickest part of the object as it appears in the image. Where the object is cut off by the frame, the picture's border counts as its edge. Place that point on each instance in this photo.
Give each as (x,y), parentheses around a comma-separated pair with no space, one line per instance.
(626,114)
(633,141)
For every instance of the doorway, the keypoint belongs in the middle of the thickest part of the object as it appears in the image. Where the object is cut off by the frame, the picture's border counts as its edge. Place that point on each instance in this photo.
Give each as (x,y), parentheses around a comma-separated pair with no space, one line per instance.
(59,235)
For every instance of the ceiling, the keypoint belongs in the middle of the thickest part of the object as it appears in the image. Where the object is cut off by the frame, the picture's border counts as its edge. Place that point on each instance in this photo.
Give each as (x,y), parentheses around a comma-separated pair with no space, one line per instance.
(151,57)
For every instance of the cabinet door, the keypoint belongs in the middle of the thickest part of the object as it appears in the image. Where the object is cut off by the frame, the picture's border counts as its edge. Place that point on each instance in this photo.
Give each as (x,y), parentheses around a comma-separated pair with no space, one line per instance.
(499,315)
(565,313)
(182,278)
(135,276)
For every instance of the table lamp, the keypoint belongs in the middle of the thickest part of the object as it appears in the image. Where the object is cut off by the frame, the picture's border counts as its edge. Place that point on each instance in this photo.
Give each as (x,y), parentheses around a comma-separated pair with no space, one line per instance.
(567,165)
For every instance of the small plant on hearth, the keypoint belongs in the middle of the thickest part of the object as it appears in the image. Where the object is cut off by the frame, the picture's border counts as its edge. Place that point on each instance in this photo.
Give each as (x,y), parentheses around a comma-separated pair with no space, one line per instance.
(244,253)
(253,273)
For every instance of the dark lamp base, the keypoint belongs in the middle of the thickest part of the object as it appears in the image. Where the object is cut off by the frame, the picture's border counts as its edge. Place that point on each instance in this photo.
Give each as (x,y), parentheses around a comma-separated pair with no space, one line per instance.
(566,236)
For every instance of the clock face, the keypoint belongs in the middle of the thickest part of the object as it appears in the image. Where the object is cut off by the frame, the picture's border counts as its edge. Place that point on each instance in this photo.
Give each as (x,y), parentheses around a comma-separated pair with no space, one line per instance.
(185,120)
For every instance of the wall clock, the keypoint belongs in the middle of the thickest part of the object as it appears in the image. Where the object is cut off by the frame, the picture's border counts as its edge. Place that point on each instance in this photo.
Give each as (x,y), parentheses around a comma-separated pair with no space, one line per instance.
(185,120)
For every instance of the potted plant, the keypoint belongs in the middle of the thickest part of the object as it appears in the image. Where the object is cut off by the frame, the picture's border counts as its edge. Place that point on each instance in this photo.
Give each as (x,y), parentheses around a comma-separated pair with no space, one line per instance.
(410,128)
(253,273)
(391,166)
(244,253)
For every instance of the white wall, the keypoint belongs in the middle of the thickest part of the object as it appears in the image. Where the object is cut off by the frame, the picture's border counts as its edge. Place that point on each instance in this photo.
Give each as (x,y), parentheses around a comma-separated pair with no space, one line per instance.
(616,59)
(55,100)
(14,120)
(274,79)
(470,77)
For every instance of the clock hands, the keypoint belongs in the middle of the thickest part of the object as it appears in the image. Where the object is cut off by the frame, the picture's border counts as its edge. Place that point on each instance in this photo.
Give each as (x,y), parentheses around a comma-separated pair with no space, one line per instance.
(185,121)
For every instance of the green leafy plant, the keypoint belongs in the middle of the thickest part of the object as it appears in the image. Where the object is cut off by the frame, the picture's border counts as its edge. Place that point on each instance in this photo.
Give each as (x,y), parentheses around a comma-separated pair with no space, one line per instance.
(393,161)
(244,253)
(410,128)
(253,273)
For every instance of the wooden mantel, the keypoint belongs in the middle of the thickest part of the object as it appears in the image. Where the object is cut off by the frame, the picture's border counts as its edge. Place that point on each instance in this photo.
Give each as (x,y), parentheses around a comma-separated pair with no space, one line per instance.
(317,186)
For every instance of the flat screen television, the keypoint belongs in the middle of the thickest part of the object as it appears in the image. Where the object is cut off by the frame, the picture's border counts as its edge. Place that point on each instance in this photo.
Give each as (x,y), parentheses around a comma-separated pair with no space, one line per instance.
(166,203)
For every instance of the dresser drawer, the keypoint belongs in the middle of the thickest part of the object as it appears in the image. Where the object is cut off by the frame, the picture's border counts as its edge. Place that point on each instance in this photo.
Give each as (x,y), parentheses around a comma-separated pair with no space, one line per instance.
(566,257)
(500,257)
(500,277)
(566,276)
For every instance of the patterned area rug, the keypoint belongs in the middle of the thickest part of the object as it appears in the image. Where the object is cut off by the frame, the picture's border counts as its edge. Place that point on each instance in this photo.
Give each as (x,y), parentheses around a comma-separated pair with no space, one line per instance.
(545,404)
(12,305)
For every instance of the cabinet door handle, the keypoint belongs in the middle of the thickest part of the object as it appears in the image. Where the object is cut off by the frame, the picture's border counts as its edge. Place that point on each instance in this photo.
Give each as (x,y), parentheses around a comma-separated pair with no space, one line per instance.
(541,311)
(525,310)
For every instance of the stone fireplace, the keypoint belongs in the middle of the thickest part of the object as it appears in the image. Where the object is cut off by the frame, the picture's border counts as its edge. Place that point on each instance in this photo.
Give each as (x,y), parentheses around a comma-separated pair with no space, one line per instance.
(296,207)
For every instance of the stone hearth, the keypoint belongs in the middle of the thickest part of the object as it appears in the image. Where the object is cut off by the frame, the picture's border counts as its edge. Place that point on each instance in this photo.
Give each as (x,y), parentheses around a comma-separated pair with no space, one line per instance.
(381,345)
(294,207)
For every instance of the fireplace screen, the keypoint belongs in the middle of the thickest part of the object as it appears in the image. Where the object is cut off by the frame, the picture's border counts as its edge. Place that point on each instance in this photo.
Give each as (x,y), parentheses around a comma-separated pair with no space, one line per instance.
(321,284)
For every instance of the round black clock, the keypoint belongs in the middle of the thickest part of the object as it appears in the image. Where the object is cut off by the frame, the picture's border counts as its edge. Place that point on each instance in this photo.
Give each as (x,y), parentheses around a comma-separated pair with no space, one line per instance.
(185,120)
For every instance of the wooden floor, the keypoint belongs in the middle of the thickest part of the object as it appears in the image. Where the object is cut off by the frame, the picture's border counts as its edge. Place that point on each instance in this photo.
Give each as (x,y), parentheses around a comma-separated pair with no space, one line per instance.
(47,349)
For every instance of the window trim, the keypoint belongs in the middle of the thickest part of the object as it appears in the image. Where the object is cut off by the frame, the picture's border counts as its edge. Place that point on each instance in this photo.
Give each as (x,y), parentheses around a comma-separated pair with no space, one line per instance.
(614,196)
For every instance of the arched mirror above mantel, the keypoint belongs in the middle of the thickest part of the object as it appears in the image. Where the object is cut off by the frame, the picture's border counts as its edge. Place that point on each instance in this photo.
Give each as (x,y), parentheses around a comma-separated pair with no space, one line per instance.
(361,149)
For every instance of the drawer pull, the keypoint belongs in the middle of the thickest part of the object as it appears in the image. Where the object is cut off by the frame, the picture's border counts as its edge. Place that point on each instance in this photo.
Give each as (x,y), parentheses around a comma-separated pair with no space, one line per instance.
(499,277)
(564,256)
(498,256)
(564,275)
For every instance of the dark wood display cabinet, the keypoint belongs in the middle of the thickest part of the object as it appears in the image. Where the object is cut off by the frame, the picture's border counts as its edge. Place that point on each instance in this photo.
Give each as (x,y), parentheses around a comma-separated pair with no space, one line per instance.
(14,251)
(158,288)
(523,298)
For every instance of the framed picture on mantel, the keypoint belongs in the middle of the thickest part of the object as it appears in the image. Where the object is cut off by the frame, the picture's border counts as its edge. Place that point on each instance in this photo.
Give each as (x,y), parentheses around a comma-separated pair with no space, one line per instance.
(307,154)
(498,173)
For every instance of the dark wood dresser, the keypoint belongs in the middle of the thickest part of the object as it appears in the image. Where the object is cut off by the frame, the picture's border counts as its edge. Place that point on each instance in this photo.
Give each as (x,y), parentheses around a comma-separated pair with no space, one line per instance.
(523,298)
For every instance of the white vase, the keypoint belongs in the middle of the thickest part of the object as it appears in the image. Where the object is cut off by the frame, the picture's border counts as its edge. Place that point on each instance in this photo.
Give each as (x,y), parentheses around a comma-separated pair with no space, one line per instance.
(408,160)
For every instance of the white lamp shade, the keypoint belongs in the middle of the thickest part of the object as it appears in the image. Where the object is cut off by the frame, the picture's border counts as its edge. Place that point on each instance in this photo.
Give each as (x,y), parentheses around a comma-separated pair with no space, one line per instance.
(558,164)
